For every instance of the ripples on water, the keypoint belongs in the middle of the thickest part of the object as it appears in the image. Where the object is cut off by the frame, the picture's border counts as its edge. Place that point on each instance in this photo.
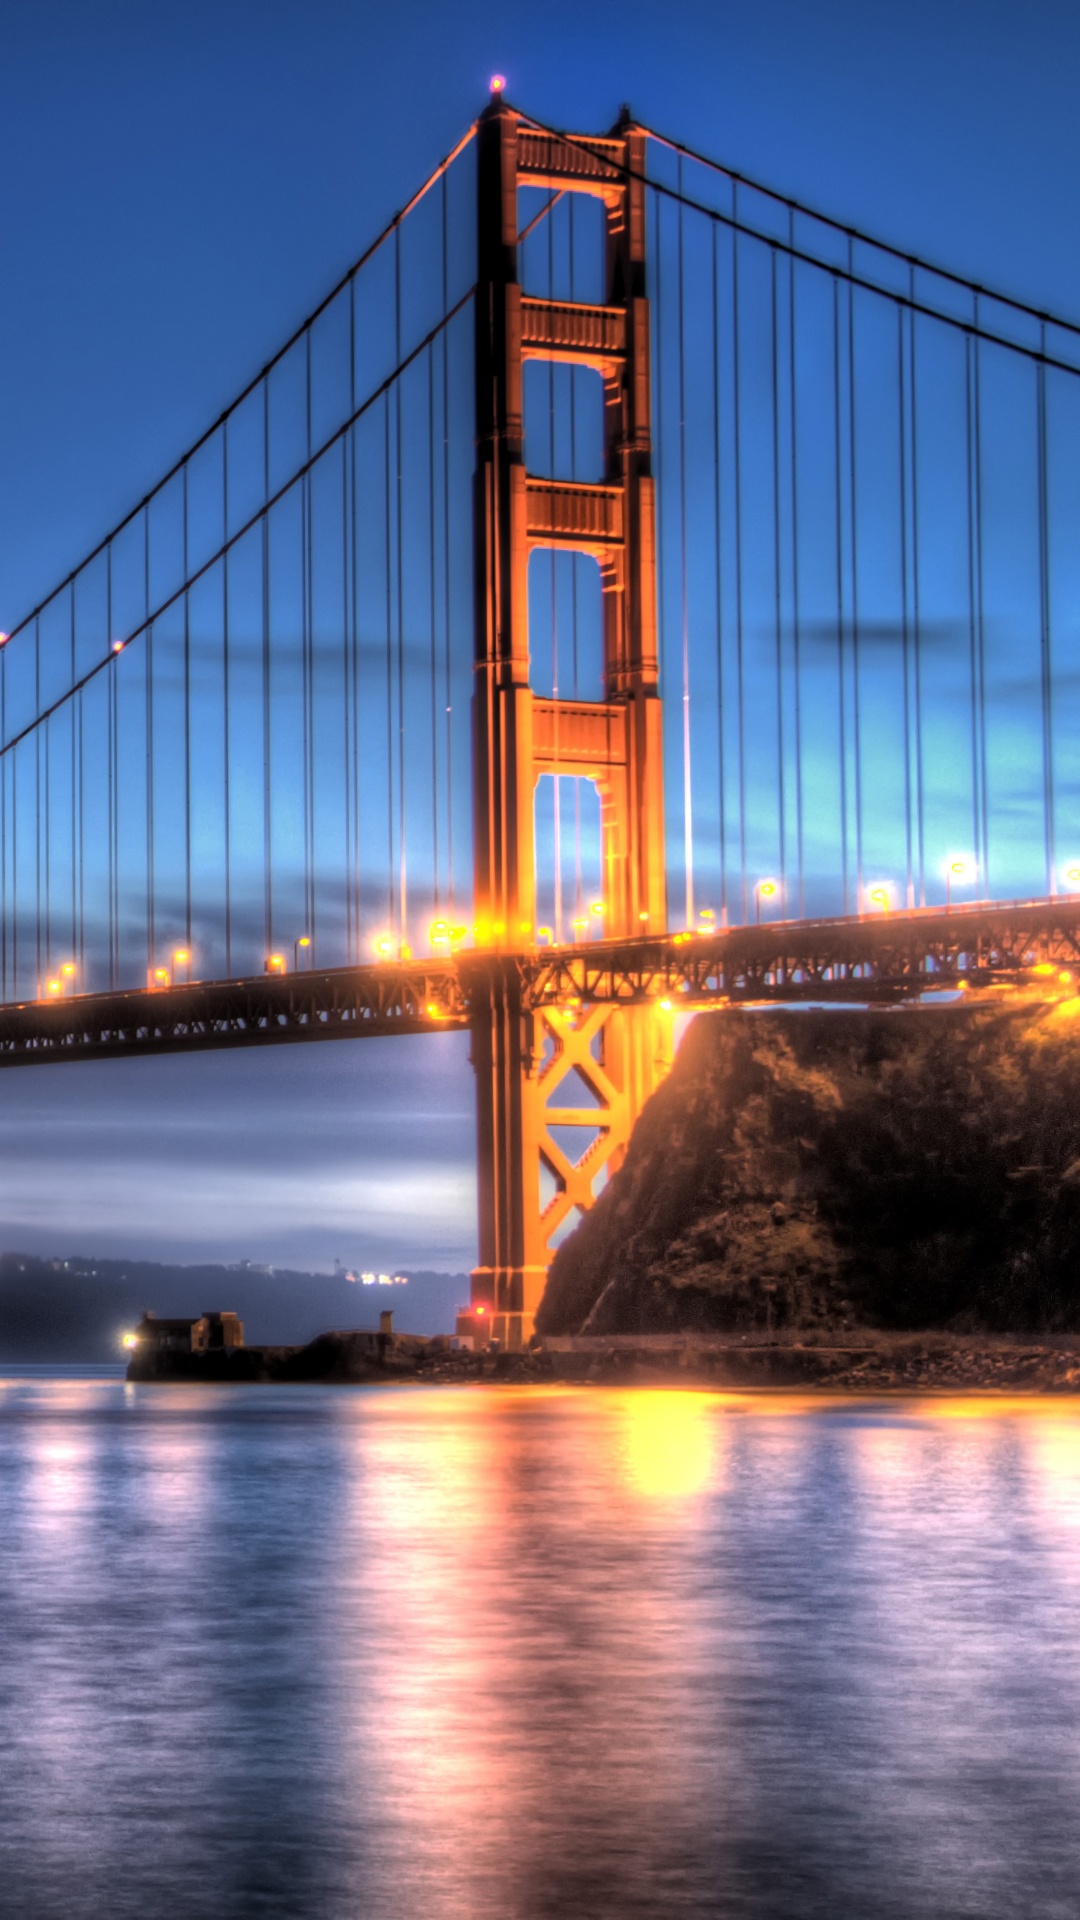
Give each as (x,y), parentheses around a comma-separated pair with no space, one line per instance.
(479,1654)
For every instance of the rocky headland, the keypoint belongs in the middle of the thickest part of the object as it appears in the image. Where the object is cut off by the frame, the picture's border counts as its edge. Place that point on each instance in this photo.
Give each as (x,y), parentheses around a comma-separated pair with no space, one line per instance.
(847,1198)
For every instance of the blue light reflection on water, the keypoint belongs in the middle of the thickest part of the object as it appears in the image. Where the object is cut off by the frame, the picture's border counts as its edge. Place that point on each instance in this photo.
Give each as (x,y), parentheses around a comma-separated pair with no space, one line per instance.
(478,1654)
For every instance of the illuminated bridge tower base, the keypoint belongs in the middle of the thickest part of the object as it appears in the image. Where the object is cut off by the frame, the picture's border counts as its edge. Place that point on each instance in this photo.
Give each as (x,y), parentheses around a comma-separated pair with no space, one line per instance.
(532,1066)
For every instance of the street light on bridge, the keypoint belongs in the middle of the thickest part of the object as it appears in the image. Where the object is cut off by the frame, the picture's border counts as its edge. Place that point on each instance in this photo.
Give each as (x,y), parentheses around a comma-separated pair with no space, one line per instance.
(1070,877)
(764,890)
(961,870)
(880,896)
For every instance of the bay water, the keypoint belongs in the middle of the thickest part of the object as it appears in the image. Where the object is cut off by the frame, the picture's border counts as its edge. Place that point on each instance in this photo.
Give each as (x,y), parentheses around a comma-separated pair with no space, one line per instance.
(482,1653)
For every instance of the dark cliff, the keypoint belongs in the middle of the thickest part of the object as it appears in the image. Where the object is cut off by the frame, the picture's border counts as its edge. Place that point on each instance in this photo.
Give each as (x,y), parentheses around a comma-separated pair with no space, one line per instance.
(815,1171)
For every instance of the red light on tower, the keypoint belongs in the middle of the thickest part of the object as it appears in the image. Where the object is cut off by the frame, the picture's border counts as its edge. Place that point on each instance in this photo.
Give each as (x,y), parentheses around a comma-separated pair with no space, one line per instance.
(497,83)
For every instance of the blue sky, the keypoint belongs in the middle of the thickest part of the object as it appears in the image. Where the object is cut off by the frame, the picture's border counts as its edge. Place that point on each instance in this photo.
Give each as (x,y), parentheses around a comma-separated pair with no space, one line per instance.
(180,185)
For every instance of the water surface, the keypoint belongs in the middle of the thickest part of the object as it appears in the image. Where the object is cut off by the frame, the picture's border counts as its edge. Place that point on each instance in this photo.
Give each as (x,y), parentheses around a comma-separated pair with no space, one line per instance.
(475,1654)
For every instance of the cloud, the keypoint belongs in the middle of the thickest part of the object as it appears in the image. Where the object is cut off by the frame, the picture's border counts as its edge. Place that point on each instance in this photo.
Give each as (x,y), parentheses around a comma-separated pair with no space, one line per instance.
(290,1155)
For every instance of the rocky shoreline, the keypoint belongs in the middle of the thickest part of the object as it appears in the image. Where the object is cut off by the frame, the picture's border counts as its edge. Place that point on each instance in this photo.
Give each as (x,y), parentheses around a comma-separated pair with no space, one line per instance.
(901,1365)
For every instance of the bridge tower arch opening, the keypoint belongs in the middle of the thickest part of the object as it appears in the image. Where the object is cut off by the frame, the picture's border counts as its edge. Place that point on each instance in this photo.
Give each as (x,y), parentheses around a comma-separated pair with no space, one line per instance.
(544,1076)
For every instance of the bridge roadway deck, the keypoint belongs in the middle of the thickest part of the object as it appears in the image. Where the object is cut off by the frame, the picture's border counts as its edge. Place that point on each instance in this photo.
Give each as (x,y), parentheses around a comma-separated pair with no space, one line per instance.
(884,960)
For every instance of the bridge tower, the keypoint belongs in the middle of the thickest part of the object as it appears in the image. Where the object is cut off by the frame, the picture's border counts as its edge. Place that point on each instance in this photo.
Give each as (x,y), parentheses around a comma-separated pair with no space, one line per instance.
(522,1058)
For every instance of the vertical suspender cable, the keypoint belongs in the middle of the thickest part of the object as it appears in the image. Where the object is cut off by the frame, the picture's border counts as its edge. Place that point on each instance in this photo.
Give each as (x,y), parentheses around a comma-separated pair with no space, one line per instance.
(855,675)
(736,421)
(795,616)
(37,798)
(391,897)
(356,951)
(45,873)
(720,769)
(151,930)
(225,691)
(973,667)
(777,586)
(688,795)
(905,631)
(309,666)
(980,611)
(305,648)
(348,660)
(432,633)
(6,913)
(187,725)
(920,795)
(267,740)
(112,794)
(446,563)
(1045,659)
(839,507)
(403,869)
(348,736)
(74,717)
(82,841)
(14,757)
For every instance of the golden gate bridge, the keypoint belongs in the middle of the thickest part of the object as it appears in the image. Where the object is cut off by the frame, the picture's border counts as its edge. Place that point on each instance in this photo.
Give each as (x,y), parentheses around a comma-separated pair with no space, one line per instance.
(629,591)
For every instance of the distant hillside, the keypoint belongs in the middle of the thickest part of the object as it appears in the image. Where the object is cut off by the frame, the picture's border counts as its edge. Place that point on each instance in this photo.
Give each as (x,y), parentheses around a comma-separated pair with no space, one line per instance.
(74,1309)
(817,1171)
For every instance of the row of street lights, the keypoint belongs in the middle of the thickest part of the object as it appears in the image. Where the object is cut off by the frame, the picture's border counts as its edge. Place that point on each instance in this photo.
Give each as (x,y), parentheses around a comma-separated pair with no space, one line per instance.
(446,937)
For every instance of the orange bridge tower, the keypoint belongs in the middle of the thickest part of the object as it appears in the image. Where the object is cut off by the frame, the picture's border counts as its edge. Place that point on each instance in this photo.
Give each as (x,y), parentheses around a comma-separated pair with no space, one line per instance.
(539,1070)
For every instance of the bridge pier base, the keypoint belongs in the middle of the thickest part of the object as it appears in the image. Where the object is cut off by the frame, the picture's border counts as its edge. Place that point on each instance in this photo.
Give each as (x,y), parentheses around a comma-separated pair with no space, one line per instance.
(558,1090)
